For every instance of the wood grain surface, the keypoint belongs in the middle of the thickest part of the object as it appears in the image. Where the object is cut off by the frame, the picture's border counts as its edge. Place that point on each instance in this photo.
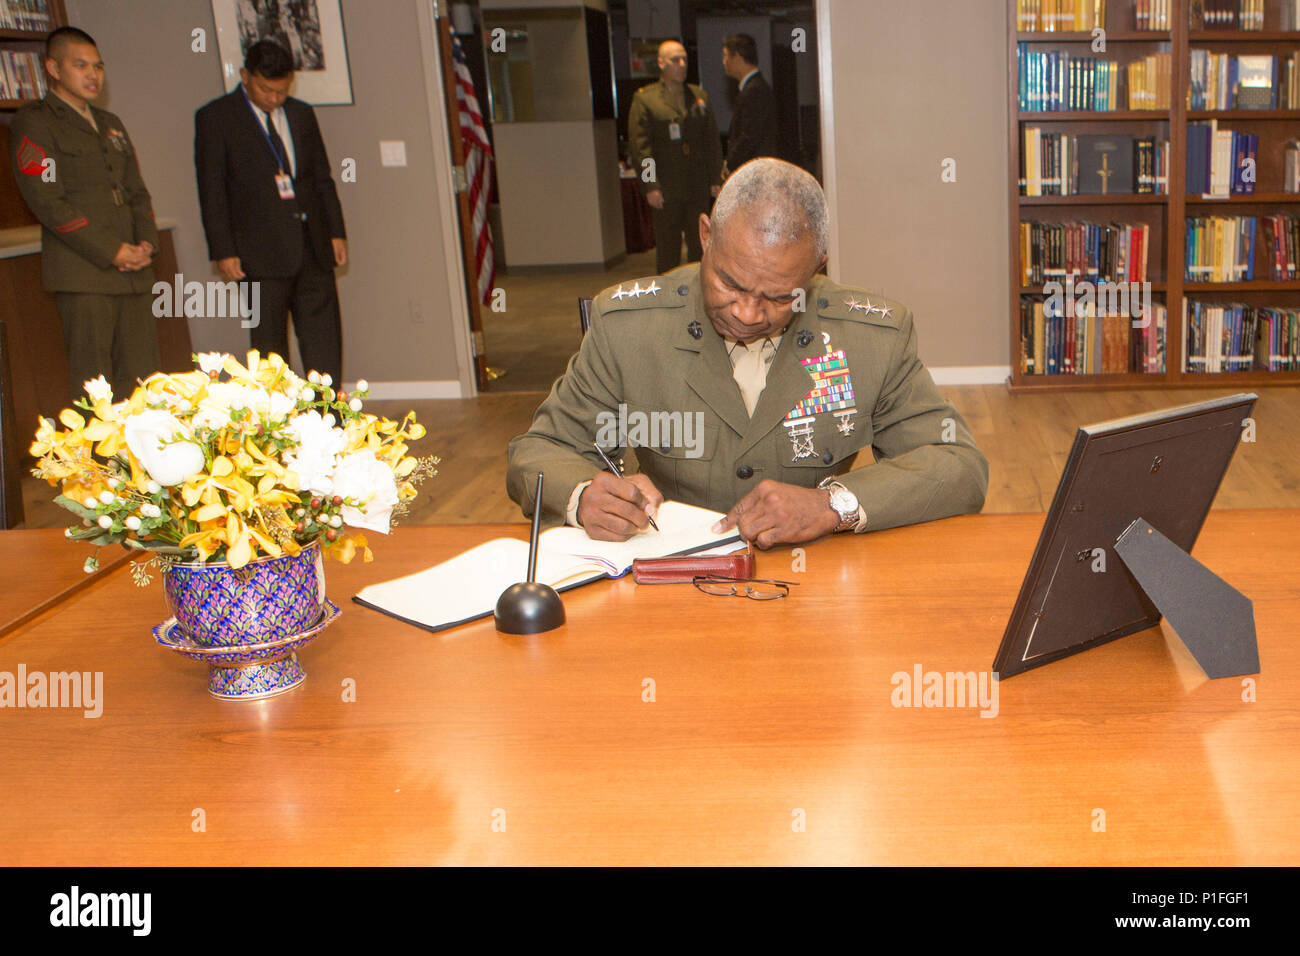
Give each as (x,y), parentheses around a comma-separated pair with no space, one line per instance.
(761,711)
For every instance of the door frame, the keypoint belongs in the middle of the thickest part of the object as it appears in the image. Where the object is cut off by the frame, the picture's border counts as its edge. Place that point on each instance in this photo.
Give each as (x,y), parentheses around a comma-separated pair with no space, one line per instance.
(448,223)
(458,306)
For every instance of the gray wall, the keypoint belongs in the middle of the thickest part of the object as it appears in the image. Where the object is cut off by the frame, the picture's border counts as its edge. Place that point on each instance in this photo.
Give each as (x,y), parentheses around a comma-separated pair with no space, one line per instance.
(915,82)
(395,290)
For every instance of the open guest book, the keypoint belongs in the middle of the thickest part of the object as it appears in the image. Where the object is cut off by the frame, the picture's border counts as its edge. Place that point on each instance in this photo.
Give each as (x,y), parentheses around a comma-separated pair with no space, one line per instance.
(467,586)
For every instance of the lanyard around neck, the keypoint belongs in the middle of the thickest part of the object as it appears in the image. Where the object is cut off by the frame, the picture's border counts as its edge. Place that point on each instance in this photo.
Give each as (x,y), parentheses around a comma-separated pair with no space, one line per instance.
(280,161)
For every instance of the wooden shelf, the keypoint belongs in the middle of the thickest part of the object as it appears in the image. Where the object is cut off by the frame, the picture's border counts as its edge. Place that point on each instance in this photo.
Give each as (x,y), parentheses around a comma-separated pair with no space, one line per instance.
(14,104)
(1254,285)
(1090,199)
(1270,198)
(1083,36)
(33,35)
(1243,36)
(1267,115)
(1037,290)
(1166,214)
(1091,116)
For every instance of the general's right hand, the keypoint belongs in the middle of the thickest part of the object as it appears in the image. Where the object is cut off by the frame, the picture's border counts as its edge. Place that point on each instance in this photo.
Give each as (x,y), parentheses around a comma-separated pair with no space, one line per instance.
(614,509)
(655,198)
(230,269)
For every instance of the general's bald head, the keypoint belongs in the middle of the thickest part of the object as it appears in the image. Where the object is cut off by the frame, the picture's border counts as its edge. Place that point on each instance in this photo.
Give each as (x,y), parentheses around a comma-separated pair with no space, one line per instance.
(672,61)
(779,203)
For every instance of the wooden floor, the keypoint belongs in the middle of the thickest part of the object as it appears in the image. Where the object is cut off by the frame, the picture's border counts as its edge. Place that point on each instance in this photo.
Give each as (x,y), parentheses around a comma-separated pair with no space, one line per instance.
(1026,439)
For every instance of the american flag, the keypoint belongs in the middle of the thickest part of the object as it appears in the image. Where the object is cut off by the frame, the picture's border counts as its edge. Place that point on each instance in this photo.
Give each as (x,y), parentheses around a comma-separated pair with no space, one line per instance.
(478,171)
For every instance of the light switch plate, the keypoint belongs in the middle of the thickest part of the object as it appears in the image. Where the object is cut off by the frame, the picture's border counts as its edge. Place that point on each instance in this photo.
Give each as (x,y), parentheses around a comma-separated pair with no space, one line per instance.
(392,152)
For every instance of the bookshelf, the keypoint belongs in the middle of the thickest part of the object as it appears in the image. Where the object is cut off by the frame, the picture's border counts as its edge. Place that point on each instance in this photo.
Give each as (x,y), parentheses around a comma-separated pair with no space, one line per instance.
(13,212)
(1165,214)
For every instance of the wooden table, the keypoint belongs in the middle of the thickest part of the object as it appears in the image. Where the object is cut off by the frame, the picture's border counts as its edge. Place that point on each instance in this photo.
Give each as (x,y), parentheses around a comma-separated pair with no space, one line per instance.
(761,711)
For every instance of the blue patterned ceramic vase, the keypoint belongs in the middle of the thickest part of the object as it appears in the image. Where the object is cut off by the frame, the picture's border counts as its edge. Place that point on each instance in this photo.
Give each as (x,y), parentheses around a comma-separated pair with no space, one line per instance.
(266,600)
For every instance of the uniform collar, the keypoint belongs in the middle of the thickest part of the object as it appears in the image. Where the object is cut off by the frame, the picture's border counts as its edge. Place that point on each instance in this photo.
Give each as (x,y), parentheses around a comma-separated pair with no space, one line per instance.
(749,76)
(57,103)
(711,376)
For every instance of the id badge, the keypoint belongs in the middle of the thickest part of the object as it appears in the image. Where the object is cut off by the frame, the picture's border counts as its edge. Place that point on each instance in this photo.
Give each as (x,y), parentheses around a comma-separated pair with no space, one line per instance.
(284,184)
(674,131)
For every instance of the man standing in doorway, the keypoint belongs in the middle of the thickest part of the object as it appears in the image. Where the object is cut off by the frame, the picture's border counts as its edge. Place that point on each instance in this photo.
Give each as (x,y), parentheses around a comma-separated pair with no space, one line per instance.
(270,208)
(77,172)
(677,155)
(753,124)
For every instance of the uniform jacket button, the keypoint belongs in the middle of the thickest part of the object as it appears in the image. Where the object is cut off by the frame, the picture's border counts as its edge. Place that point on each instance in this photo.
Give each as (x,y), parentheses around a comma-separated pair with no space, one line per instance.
(823,303)
(683,290)
(827,457)
(744,471)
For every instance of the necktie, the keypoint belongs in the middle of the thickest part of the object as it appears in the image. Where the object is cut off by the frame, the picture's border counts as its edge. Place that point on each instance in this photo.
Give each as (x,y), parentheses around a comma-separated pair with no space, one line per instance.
(277,144)
(750,372)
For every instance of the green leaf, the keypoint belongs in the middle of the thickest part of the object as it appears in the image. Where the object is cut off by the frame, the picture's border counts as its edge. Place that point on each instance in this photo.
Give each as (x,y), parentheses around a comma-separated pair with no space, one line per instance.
(76,507)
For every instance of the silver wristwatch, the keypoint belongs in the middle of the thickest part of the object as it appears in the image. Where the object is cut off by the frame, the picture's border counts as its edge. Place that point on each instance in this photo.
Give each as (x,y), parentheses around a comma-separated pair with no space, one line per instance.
(845,504)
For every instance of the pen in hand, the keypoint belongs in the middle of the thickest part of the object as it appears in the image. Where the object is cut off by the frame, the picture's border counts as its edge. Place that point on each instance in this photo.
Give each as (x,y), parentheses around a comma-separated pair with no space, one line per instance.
(617,473)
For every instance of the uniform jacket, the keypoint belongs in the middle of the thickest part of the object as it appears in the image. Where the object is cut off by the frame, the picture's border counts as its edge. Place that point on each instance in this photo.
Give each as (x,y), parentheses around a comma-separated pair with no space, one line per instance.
(656,352)
(82,225)
(753,124)
(684,168)
(243,214)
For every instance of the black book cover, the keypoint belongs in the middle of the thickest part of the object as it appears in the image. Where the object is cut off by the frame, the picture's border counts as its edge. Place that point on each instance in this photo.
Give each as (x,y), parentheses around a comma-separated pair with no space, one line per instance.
(1105,164)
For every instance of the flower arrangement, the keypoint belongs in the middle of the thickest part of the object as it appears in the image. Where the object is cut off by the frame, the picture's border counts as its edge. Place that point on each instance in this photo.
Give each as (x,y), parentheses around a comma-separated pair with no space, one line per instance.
(230,462)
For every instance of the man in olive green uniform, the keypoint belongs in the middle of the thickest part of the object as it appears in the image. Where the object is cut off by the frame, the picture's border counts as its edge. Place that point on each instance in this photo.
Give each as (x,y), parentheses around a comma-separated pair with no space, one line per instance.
(77,172)
(788,375)
(677,155)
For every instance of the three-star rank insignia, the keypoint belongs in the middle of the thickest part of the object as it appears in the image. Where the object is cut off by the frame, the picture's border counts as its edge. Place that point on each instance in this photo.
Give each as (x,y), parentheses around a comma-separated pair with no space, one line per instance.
(635,292)
(832,391)
(31,158)
(696,330)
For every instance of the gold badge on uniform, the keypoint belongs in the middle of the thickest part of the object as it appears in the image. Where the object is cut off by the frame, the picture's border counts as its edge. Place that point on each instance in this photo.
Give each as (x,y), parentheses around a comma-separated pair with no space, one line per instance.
(832,391)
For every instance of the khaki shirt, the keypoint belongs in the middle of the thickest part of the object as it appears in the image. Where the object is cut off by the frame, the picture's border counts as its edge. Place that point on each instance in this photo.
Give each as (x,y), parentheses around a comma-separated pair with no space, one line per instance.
(845,378)
(94,202)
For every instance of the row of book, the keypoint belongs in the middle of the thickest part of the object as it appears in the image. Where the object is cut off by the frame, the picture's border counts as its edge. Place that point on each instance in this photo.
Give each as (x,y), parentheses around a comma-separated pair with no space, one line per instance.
(22,77)
(1220,162)
(1064,164)
(1226,81)
(1058,81)
(1229,15)
(1291,167)
(1221,248)
(1050,251)
(31,15)
(1058,16)
(1089,341)
(1219,337)
(1277,340)
(1282,246)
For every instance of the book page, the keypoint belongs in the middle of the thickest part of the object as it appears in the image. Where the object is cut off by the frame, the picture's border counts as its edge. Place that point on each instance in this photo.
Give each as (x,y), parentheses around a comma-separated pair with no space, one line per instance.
(467,586)
(682,528)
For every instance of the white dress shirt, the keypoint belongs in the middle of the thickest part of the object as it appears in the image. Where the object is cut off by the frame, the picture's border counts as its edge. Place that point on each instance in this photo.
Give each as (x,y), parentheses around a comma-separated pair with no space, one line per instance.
(282,127)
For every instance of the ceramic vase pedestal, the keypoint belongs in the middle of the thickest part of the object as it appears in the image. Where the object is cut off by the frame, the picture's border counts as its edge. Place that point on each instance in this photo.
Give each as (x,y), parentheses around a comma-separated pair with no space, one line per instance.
(247,624)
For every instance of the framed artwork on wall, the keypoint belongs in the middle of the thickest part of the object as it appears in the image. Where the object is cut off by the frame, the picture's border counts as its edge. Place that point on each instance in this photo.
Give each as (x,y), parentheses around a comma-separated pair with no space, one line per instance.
(311,30)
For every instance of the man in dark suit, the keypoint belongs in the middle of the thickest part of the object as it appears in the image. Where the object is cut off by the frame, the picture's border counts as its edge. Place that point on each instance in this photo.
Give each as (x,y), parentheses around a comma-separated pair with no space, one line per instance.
(270,209)
(753,122)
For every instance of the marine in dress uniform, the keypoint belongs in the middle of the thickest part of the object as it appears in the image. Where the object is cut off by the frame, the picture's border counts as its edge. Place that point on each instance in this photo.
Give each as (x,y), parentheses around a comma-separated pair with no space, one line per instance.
(89,202)
(679,132)
(843,377)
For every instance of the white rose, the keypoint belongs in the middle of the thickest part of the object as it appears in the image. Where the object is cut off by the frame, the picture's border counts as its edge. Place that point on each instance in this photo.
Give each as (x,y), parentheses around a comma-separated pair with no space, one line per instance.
(364,478)
(318,446)
(98,388)
(152,437)
(132,523)
(210,362)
